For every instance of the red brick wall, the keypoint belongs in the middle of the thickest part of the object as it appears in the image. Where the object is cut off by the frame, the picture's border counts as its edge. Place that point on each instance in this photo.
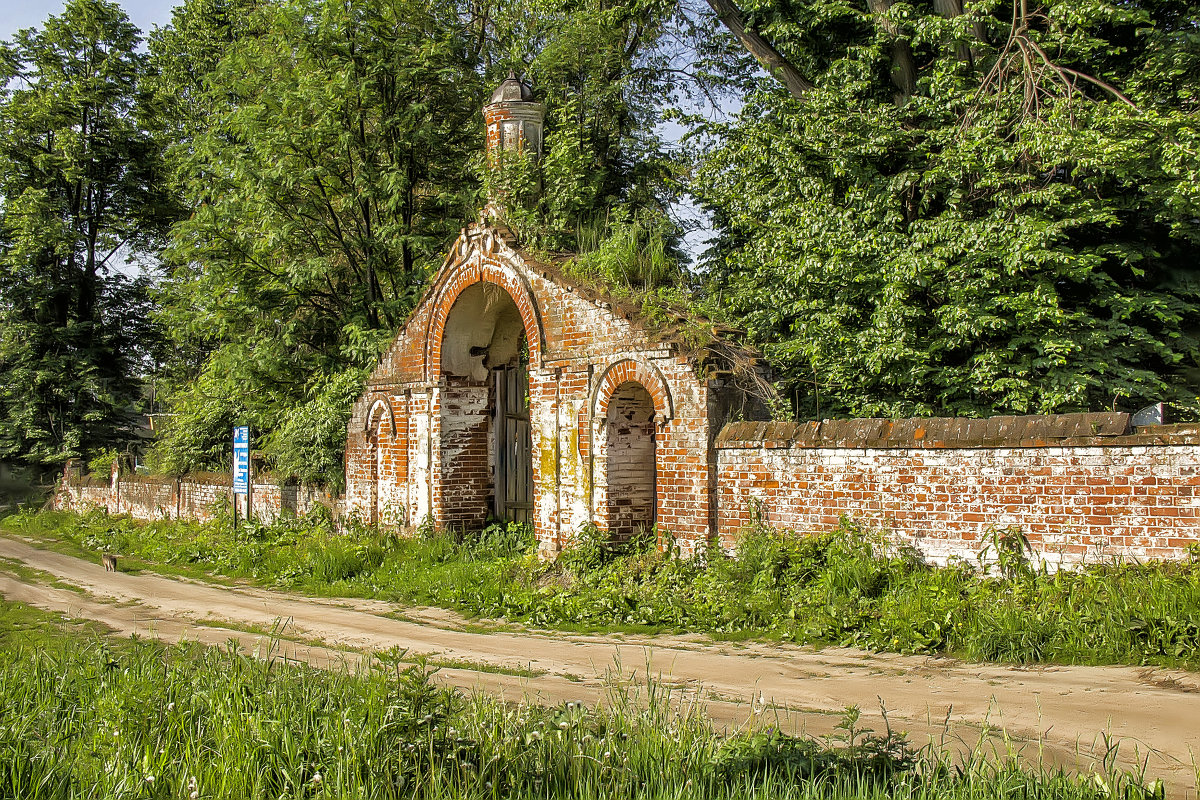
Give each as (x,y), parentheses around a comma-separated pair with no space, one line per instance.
(628,462)
(1077,497)
(1077,485)
(467,472)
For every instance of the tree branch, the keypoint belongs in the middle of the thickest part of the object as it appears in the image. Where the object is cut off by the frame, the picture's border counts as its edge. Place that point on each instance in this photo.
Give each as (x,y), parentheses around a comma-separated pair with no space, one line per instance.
(770,58)
(904,71)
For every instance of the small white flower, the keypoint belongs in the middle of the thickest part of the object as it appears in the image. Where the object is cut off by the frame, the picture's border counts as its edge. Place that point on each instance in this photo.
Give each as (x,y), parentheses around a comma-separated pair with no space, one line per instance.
(171,706)
(316,779)
(194,794)
(339,748)
(149,779)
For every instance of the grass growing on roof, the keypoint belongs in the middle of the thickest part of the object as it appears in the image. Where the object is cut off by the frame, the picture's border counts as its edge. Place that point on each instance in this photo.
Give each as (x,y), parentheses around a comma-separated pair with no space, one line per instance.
(845,587)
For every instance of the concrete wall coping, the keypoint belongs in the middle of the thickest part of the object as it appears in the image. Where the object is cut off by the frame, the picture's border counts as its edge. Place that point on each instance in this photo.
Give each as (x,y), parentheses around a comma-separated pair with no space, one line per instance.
(1053,430)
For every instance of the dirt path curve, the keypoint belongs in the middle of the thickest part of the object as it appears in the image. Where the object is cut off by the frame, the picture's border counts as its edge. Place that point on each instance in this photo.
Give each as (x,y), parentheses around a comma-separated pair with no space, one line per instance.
(1063,715)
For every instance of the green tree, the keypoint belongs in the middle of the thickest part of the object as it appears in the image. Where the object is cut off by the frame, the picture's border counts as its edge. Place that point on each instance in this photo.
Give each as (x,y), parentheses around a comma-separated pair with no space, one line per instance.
(968,209)
(330,176)
(79,178)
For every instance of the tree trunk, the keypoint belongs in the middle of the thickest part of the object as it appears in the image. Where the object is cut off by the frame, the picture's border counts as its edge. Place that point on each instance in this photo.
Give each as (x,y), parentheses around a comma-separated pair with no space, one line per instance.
(771,59)
(949,9)
(904,71)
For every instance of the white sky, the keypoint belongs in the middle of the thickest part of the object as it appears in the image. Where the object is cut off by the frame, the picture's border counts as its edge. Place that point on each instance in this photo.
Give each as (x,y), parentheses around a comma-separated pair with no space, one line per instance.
(15,15)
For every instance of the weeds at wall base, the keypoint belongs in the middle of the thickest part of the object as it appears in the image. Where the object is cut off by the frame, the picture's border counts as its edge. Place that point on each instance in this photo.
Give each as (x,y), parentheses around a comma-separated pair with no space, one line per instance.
(847,587)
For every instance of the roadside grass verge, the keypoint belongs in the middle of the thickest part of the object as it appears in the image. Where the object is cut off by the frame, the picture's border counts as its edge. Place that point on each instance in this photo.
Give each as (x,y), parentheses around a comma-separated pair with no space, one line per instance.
(846,587)
(86,716)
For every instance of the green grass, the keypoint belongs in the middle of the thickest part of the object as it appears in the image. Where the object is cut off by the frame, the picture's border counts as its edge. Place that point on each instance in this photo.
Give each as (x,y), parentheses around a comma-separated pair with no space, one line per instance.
(847,587)
(83,716)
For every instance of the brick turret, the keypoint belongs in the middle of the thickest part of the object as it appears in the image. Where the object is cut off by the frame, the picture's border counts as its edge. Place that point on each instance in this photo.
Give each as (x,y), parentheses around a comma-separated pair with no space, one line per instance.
(513,119)
(514,123)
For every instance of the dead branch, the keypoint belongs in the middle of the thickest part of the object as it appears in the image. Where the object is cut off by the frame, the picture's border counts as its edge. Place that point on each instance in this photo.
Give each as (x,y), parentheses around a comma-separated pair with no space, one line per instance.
(1042,80)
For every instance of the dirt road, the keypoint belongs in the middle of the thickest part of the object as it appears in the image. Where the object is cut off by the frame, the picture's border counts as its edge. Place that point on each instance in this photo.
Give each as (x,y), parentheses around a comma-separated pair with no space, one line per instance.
(1064,715)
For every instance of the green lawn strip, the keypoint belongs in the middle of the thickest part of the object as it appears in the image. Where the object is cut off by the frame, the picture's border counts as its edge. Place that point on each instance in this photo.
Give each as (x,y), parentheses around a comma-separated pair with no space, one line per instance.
(847,587)
(51,538)
(88,715)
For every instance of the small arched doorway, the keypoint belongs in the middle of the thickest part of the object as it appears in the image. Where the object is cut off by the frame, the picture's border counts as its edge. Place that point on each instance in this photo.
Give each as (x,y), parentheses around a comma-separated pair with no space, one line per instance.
(629,455)
(486,448)
(376,444)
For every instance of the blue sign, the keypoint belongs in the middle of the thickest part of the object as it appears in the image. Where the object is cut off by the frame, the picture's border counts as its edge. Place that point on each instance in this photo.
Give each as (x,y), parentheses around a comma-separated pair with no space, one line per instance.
(241,460)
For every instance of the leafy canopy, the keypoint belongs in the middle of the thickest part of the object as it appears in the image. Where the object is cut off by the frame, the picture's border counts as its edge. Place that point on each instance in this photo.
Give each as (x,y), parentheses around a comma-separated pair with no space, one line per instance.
(323,188)
(986,208)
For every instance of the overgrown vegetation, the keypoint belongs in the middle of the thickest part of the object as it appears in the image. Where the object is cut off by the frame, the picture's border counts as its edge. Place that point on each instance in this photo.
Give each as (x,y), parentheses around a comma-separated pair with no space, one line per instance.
(90,717)
(845,587)
(973,208)
(918,208)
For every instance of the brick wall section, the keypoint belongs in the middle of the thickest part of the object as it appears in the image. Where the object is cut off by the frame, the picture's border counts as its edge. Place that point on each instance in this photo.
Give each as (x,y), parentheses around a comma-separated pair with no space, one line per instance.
(1078,485)
(578,345)
(192,497)
(466,454)
(628,461)
(1082,487)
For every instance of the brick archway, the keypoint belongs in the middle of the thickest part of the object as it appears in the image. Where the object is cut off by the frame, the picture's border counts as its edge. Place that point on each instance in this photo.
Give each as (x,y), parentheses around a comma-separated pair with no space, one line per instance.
(380,407)
(482,272)
(380,415)
(591,417)
(625,371)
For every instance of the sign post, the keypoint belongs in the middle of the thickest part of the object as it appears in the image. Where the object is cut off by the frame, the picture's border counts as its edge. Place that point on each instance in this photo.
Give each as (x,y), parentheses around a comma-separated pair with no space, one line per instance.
(241,469)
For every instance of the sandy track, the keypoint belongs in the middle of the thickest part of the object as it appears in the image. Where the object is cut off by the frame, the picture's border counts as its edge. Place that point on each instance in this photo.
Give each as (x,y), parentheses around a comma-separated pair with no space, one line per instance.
(1061,714)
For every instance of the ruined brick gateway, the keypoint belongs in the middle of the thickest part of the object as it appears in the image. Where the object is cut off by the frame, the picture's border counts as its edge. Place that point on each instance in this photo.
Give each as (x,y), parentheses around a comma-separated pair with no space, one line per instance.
(512,393)
(617,426)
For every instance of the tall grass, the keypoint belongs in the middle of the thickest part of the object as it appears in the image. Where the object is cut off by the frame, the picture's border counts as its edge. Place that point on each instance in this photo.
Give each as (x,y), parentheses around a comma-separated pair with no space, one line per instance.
(84,717)
(847,587)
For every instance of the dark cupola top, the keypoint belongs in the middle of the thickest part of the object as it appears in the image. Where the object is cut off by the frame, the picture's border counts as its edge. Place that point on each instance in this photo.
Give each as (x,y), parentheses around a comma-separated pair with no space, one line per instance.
(513,89)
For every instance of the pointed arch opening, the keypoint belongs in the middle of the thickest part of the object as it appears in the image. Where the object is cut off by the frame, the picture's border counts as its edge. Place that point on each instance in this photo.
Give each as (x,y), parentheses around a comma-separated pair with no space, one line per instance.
(379,429)
(486,447)
(629,453)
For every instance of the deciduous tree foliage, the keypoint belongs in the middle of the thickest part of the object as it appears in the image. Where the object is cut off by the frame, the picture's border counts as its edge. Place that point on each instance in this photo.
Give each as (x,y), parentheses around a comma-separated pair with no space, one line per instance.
(606,72)
(331,150)
(925,206)
(986,208)
(81,189)
(331,174)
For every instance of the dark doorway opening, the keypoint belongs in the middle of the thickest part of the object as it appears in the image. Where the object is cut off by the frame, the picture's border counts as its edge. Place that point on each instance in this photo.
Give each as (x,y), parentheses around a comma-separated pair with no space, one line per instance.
(514,447)
(486,457)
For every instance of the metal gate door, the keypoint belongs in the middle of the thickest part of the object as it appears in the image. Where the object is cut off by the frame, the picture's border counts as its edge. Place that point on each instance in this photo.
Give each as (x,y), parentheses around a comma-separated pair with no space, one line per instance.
(514,460)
